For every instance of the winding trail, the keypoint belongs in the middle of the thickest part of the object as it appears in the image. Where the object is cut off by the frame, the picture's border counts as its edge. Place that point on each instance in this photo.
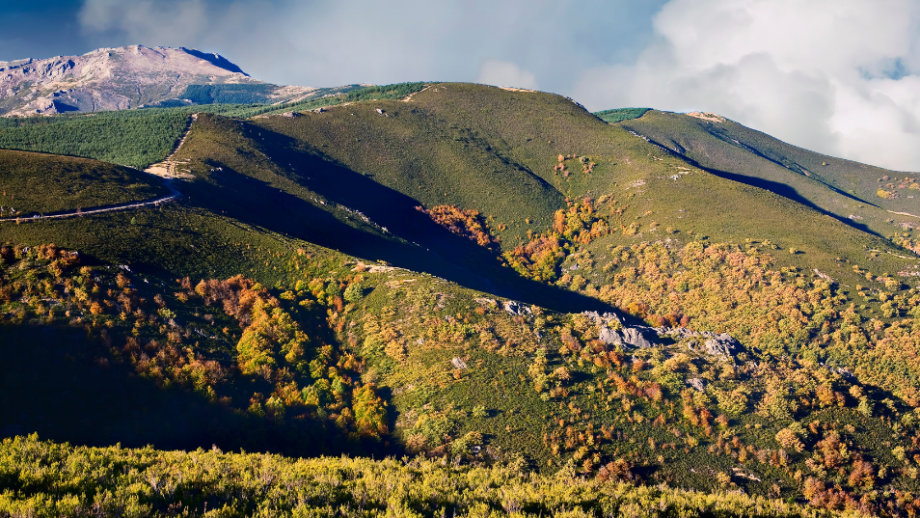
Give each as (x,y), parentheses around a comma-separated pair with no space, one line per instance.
(165,169)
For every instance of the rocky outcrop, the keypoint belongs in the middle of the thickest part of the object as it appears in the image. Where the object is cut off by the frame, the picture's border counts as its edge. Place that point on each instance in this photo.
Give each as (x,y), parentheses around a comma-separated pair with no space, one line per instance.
(722,345)
(641,337)
(614,332)
(697,383)
(117,79)
(516,308)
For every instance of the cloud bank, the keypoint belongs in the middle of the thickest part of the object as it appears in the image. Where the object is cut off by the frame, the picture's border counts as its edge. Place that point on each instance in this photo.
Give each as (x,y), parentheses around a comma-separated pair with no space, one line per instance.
(837,76)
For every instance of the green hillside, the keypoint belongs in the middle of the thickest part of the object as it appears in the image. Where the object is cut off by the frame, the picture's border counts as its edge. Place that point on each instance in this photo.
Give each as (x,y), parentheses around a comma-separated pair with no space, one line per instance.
(440,275)
(33,183)
(138,138)
(848,190)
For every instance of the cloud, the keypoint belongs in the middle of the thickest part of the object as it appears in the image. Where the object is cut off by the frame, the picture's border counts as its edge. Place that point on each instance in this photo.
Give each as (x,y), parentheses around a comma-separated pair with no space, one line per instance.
(502,73)
(838,76)
(327,43)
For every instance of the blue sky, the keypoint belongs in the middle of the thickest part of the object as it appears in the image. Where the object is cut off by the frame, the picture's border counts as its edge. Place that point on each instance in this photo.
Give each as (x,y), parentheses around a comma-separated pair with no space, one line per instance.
(837,76)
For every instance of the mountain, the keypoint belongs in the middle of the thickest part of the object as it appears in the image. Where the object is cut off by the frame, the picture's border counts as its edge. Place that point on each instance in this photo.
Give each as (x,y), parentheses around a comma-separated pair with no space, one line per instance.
(540,310)
(129,77)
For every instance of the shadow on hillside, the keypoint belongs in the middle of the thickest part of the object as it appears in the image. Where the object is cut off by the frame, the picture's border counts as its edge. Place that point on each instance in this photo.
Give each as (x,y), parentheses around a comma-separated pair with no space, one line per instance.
(778,188)
(787,192)
(798,168)
(52,382)
(424,247)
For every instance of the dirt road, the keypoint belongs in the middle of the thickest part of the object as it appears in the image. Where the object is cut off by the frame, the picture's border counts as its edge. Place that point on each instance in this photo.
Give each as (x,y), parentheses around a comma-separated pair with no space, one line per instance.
(165,170)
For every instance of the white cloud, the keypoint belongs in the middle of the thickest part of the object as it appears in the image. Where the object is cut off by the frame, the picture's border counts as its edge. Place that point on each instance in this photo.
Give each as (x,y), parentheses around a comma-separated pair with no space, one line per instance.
(147,21)
(837,76)
(328,42)
(503,73)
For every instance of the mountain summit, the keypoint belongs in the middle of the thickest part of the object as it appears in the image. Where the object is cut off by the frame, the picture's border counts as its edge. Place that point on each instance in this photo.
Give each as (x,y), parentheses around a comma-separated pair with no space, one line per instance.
(122,78)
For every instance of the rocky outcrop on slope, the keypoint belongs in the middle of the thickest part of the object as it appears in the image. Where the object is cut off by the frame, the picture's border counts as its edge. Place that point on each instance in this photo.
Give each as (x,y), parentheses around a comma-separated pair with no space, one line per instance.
(614,332)
(118,79)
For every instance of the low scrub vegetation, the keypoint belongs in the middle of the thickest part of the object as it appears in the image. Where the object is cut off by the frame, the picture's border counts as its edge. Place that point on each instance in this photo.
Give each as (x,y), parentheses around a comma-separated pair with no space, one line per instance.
(40,479)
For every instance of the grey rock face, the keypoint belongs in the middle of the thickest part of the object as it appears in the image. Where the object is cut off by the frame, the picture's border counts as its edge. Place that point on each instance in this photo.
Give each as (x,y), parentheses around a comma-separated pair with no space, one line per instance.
(628,337)
(610,336)
(459,364)
(697,383)
(639,337)
(721,345)
(516,308)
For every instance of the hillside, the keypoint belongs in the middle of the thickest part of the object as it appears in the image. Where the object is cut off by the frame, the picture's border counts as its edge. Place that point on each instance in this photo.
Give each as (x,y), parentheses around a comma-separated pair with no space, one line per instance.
(33,183)
(139,138)
(860,195)
(496,280)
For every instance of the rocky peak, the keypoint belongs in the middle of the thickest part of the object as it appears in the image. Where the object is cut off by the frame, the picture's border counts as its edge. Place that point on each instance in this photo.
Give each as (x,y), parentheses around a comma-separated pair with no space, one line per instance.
(112,79)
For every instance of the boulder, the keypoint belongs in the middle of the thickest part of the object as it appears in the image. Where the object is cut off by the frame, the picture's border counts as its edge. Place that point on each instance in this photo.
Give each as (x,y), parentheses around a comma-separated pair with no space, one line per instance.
(459,364)
(610,336)
(697,383)
(516,308)
(638,337)
(628,337)
(722,345)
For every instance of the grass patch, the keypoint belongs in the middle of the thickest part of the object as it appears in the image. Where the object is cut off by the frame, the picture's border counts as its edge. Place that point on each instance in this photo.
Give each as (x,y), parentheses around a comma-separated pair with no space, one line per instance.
(33,183)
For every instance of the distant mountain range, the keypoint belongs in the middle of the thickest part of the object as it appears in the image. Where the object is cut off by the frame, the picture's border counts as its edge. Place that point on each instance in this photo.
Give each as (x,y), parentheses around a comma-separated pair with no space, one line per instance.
(130,77)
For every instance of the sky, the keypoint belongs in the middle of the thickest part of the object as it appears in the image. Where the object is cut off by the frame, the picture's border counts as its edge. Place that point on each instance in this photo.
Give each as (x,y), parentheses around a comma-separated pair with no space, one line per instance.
(840,77)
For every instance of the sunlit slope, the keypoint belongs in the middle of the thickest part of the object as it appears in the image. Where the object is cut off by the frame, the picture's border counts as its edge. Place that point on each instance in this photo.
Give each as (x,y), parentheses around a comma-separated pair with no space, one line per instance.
(350,178)
(243,171)
(498,152)
(33,183)
(846,189)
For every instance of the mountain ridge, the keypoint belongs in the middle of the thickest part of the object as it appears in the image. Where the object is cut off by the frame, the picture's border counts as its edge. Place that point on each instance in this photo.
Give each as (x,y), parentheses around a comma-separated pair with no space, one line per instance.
(121,78)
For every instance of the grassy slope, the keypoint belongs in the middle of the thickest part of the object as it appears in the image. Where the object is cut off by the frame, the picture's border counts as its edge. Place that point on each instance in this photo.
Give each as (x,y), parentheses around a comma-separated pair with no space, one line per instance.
(514,128)
(428,155)
(266,180)
(138,138)
(841,187)
(269,199)
(35,183)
